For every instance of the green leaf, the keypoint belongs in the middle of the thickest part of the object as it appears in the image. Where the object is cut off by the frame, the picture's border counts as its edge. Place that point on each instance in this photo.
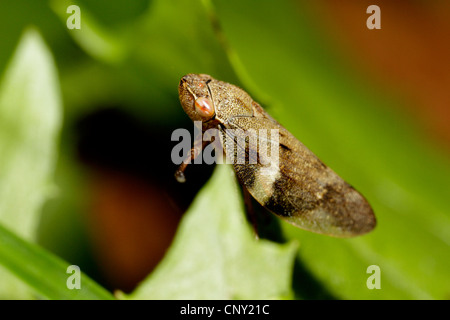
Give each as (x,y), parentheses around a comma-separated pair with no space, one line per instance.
(43,271)
(30,120)
(351,126)
(215,255)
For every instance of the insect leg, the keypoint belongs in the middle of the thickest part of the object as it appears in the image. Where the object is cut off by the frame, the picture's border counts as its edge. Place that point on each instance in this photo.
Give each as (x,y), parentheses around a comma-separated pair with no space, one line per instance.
(198,147)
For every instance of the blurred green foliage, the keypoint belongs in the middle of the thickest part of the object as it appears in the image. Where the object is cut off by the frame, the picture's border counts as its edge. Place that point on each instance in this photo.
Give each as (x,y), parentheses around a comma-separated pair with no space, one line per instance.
(30,113)
(134,57)
(41,271)
(30,116)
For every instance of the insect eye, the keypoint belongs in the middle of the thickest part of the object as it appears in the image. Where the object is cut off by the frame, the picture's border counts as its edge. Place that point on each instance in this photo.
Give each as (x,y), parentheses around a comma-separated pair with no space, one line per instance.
(204,107)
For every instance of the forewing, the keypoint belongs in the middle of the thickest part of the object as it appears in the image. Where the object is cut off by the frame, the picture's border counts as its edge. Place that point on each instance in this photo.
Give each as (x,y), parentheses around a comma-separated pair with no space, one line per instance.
(299,187)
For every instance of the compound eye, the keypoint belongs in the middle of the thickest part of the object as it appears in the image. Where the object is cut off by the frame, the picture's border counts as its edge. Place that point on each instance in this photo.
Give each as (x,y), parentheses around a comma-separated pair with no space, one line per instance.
(204,108)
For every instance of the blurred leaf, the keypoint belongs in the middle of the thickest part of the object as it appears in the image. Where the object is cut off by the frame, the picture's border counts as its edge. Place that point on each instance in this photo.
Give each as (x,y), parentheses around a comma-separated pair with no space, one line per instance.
(15,19)
(168,40)
(114,13)
(215,256)
(91,36)
(349,124)
(43,271)
(30,121)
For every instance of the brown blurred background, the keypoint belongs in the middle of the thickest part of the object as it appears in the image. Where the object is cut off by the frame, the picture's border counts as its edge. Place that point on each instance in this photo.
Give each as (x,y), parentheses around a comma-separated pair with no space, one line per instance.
(406,54)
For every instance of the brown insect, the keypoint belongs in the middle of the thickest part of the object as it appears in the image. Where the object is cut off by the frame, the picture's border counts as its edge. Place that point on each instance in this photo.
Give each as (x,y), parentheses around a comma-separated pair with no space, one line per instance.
(299,188)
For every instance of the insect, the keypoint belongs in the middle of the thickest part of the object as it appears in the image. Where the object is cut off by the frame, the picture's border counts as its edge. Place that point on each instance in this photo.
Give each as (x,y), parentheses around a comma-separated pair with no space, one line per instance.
(299,188)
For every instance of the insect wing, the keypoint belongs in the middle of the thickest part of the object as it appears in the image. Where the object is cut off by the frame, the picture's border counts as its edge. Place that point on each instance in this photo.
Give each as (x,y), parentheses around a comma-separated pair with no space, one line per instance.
(299,187)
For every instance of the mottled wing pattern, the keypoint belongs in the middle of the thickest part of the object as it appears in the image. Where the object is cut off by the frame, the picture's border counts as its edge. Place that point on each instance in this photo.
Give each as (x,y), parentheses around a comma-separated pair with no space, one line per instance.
(300,188)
